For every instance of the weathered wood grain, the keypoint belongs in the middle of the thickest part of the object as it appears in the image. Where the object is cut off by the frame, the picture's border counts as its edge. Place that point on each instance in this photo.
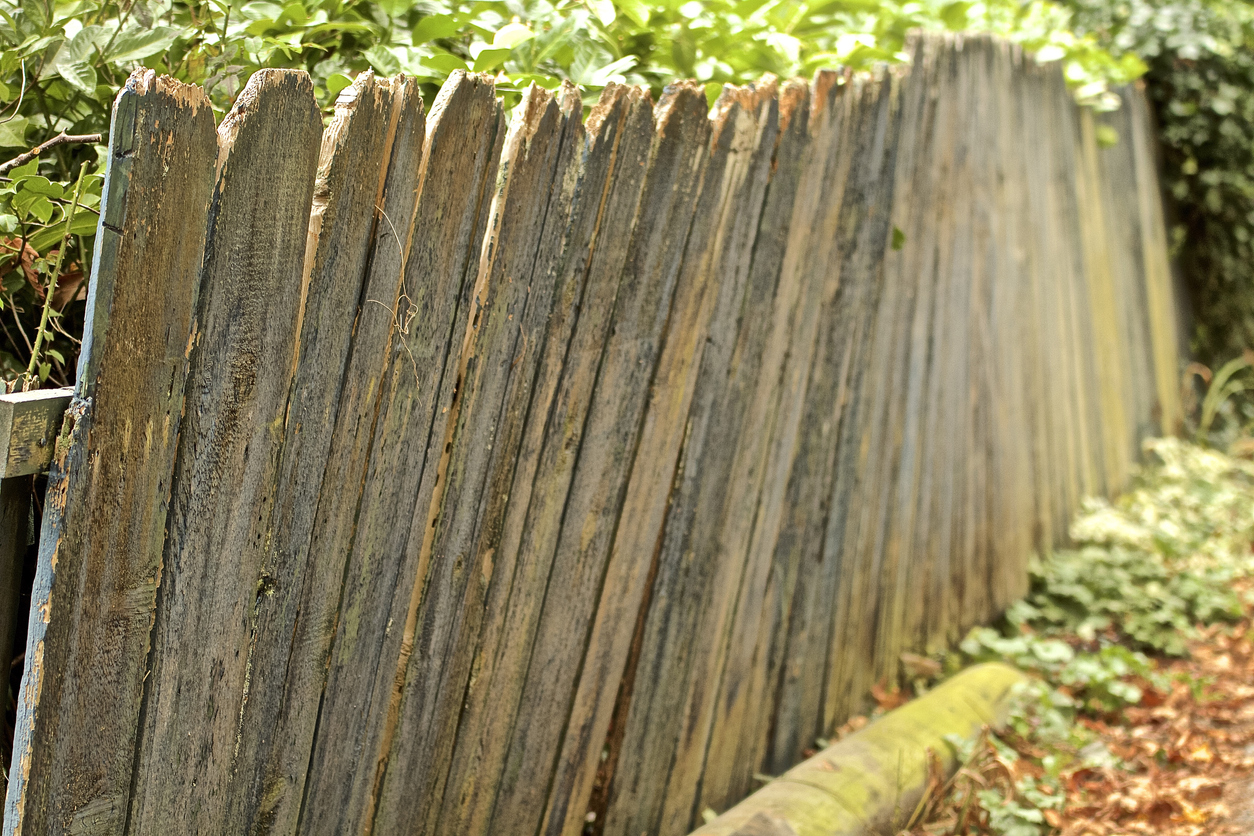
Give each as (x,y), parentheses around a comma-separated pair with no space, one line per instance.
(29,424)
(721,382)
(756,373)
(462,529)
(104,520)
(358,237)
(837,487)
(921,184)
(809,283)
(580,541)
(420,390)
(1120,196)
(707,284)
(229,447)
(1164,320)
(616,143)
(898,630)
(756,505)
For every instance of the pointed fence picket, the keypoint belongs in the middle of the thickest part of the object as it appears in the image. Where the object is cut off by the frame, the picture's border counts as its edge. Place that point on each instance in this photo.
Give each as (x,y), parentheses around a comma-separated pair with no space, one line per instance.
(435,472)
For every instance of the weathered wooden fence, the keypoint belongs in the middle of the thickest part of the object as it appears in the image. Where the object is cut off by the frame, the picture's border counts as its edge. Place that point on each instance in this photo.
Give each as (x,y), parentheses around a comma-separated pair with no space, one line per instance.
(429,475)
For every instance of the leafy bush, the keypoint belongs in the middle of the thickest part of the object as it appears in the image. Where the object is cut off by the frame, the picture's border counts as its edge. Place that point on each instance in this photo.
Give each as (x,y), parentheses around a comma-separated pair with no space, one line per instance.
(62,61)
(1148,568)
(1151,565)
(1200,57)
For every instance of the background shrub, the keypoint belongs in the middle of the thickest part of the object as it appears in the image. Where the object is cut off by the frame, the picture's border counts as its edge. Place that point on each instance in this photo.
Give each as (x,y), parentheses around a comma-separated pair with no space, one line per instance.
(62,62)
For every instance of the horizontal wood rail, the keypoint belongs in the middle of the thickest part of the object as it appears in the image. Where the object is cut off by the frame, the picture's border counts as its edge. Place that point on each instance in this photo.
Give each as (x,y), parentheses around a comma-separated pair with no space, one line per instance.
(29,423)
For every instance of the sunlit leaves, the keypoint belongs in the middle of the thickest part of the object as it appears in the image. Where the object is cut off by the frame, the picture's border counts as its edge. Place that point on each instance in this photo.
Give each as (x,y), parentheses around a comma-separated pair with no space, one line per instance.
(62,61)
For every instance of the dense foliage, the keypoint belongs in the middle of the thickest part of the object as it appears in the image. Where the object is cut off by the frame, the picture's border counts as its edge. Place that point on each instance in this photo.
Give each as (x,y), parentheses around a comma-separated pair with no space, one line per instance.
(62,61)
(1098,621)
(1200,55)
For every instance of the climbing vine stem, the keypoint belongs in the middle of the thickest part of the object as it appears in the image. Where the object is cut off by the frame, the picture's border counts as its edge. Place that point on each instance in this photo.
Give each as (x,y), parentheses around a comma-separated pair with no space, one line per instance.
(42,334)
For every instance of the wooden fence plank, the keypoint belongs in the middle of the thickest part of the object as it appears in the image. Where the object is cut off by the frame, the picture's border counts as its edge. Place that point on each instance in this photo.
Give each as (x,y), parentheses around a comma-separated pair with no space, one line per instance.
(918,258)
(800,511)
(757,368)
(616,144)
(360,237)
(1019,471)
(518,285)
(1107,359)
(1074,342)
(910,261)
(638,787)
(809,284)
(1043,455)
(1164,323)
(841,375)
(608,443)
(724,382)
(229,446)
(419,391)
(1120,195)
(1061,445)
(104,522)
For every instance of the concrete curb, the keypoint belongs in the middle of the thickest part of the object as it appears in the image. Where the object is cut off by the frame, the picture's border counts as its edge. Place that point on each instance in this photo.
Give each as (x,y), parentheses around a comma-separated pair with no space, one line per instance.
(872,780)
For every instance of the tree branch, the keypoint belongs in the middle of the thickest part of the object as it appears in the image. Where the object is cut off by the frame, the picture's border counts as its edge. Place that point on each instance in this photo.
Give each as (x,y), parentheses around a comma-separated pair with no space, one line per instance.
(60,139)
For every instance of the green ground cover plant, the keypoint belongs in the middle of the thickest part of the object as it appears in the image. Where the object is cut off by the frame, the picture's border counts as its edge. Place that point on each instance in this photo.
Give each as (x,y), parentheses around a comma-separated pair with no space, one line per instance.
(1106,630)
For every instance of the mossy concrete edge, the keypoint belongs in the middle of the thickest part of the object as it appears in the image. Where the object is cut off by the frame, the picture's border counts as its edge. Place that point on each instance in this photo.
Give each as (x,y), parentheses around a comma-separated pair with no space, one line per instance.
(872,780)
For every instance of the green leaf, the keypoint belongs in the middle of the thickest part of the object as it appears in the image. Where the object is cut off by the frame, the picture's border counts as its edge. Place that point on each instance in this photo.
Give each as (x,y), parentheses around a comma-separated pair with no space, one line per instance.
(294,13)
(899,239)
(261,10)
(435,27)
(637,11)
(30,168)
(84,223)
(337,82)
(604,10)
(713,89)
(612,71)
(382,61)
(137,44)
(520,81)
(511,35)
(41,207)
(42,185)
(954,15)
(13,132)
(444,62)
(490,59)
(73,59)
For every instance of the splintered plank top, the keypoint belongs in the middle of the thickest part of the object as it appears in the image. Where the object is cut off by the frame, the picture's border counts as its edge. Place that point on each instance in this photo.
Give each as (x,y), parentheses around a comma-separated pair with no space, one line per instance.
(100,551)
